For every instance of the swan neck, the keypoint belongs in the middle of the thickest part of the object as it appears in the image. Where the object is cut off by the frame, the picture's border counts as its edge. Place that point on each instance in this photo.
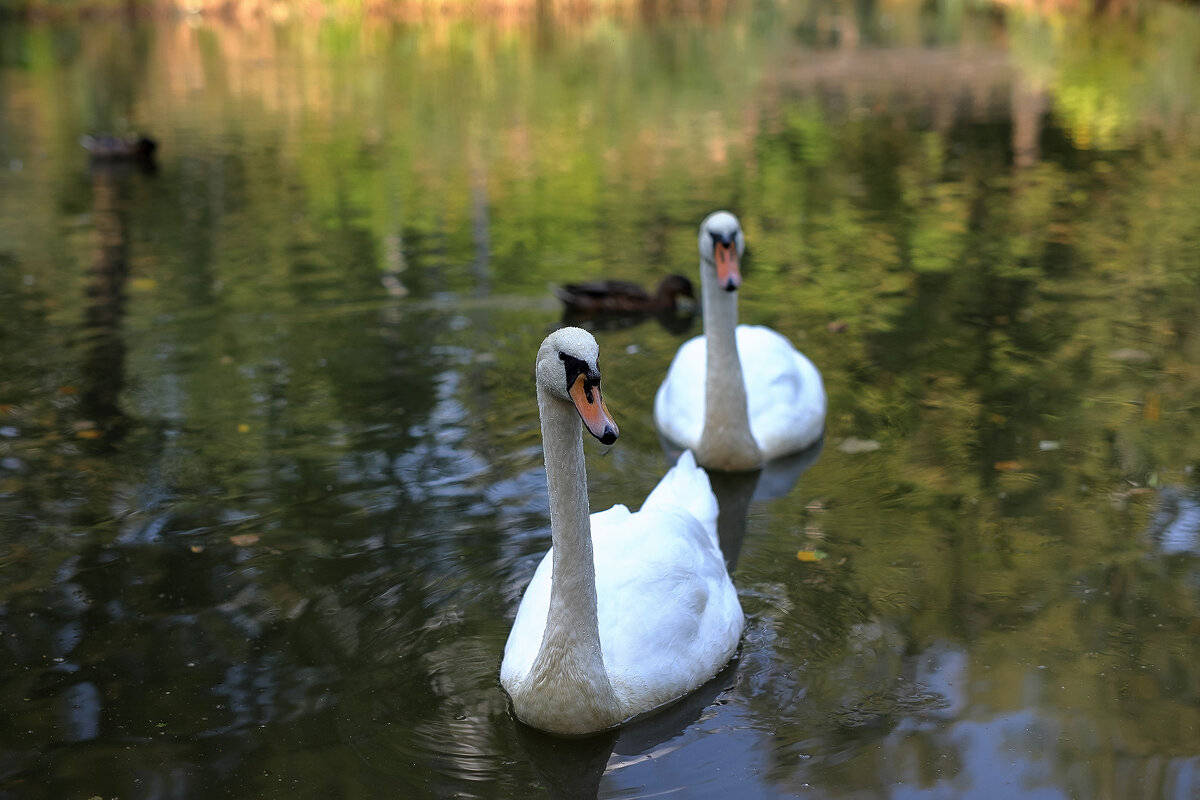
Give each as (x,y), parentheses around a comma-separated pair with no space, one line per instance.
(726,442)
(720,316)
(570,523)
(570,657)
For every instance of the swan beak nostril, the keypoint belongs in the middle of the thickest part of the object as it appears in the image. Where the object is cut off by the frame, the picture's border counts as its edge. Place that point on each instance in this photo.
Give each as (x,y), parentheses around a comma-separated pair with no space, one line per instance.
(609,436)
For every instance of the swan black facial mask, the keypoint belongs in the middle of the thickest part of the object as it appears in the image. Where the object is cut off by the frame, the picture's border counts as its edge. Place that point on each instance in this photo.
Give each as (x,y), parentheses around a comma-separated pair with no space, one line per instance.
(584,389)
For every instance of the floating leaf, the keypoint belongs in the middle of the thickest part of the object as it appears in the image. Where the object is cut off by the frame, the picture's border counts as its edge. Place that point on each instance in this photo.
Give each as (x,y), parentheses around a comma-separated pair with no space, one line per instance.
(67,390)
(852,444)
(243,428)
(1007,466)
(197,548)
(88,433)
(244,539)
(1130,355)
(811,555)
(1151,408)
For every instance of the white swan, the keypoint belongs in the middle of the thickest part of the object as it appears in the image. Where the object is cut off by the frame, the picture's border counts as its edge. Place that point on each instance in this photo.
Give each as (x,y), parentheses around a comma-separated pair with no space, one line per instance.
(627,611)
(761,398)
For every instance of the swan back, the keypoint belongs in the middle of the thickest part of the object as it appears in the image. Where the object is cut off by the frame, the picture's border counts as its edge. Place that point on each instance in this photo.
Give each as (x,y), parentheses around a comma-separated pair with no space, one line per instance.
(668,613)
(686,486)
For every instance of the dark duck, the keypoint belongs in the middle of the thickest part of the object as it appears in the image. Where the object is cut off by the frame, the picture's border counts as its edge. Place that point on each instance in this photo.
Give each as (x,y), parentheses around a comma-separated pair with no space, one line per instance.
(616,303)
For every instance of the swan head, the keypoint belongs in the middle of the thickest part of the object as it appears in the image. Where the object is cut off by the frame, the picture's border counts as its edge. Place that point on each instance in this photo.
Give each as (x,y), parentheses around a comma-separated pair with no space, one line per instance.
(568,368)
(721,246)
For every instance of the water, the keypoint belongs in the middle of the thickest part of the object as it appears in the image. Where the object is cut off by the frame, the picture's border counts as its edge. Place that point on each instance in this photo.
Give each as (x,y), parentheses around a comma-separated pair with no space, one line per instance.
(270,471)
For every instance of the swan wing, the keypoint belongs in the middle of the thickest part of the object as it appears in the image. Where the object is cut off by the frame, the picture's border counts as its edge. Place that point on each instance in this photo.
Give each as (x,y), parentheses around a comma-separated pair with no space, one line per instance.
(784,392)
(525,637)
(679,401)
(669,614)
(686,486)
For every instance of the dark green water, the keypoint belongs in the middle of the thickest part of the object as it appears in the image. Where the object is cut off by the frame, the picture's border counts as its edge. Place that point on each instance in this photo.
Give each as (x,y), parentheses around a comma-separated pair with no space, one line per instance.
(270,471)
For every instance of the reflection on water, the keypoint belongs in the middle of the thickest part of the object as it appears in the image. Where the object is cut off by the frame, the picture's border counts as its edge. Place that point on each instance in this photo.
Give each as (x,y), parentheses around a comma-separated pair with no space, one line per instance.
(271,480)
(1175,526)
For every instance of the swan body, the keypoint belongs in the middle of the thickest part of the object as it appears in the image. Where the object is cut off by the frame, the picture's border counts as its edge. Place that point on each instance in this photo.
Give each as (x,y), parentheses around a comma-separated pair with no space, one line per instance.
(628,611)
(785,398)
(761,398)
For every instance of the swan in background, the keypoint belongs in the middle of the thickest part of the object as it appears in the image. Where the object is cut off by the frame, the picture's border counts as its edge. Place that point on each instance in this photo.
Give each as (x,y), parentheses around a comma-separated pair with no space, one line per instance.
(761,398)
(627,611)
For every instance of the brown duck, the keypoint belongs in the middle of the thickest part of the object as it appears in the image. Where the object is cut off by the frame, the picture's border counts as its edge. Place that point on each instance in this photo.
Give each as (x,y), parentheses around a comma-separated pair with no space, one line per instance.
(113,148)
(623,297)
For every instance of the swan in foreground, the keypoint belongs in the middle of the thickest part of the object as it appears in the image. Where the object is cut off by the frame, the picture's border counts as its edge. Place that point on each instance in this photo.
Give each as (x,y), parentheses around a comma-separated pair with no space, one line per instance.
(761,398)
(627,611)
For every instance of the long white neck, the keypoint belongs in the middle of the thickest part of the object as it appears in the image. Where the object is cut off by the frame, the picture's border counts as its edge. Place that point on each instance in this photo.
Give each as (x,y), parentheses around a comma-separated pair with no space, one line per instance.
(568,686)
(726,442)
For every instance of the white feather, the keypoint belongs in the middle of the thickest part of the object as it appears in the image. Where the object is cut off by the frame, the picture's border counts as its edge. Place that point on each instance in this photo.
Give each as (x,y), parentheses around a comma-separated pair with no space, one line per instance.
(785,396)
(668,614)
(784,408)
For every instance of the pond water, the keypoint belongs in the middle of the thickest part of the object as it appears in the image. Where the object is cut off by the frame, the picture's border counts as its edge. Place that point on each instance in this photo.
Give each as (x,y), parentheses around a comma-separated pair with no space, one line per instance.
(270,467)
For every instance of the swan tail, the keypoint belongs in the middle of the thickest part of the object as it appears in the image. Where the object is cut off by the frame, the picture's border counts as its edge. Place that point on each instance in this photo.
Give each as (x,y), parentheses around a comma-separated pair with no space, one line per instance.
(686,486)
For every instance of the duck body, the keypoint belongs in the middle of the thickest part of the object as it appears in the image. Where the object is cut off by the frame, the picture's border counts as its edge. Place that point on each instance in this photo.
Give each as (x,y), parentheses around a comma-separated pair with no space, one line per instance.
(740,395)
(623,297)
(628,611)
(785,396)
(106,147)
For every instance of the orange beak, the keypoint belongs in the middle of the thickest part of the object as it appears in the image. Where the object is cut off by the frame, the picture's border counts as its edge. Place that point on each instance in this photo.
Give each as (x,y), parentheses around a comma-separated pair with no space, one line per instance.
(729,277)
(590,404)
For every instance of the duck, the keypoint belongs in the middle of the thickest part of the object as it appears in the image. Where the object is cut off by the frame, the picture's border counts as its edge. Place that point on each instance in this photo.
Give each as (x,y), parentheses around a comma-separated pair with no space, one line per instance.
(106,147)
(624,297)
(114,155)
(628,611)
(762,399)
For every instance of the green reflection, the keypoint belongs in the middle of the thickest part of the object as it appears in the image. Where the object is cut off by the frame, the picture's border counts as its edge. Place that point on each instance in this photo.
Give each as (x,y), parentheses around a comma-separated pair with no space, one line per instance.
(269,410)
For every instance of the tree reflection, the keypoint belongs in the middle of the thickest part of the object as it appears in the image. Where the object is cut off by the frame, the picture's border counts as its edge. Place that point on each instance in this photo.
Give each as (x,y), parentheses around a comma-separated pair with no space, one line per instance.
(287,563)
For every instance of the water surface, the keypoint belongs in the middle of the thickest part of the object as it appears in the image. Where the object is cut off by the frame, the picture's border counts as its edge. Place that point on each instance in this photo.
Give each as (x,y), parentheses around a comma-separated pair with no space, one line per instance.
(270,469)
